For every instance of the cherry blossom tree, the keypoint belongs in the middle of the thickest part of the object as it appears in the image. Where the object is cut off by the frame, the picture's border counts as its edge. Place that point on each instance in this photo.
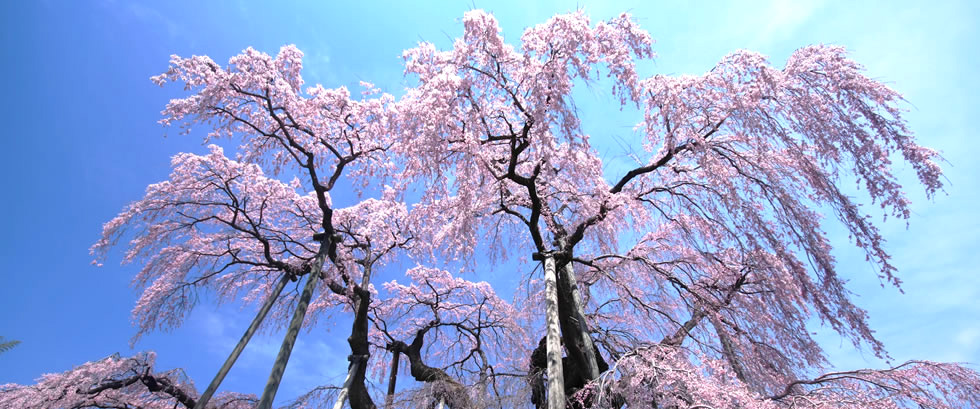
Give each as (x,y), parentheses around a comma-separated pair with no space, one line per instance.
(463,328)
(114,382)
(686,280)
(712,244)
(225,224)
(375,228)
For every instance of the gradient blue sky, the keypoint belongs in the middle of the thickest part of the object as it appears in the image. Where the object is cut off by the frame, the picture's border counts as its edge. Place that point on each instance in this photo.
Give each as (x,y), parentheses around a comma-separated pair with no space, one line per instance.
(79,122)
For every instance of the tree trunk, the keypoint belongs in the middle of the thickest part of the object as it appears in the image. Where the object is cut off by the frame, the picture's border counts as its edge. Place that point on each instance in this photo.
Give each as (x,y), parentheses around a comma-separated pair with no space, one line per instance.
(275,377)
(458,397)
(583,362)
(556,386)
(358,341)
(728,348)
(591,365)
(213,387)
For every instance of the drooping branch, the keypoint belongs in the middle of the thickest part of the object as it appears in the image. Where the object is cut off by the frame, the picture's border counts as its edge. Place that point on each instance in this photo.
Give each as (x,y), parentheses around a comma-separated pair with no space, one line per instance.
(114,382)
(912,381)
(468,329)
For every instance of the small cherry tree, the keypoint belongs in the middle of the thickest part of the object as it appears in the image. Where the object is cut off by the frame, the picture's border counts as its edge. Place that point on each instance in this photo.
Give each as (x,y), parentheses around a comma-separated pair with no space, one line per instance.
(114,382)
(463,328)
(226,225)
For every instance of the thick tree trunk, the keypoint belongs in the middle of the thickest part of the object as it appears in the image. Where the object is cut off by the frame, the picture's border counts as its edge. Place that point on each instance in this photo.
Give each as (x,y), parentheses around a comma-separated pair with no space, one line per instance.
(556,386)
(728,348)
(213,387)
(358,341)
(568,286)
(583,362)
(275,377)
(536,370)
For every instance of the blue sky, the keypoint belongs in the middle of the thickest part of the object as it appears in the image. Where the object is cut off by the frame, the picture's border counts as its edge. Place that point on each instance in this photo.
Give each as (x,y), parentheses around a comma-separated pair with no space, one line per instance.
(79,121)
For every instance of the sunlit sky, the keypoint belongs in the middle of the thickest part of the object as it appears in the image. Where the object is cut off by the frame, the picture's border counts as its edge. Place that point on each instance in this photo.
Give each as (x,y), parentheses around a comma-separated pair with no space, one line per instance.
(79,128)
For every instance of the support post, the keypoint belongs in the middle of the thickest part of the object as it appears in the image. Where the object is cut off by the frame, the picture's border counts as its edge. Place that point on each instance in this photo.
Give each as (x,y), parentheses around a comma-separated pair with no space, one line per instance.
(220,376)
(556,382)
(390,397)
(342,396)
(275,377)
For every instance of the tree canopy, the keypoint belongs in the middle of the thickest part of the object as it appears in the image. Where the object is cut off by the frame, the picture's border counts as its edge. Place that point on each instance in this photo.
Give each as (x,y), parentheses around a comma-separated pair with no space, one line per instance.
(687,280)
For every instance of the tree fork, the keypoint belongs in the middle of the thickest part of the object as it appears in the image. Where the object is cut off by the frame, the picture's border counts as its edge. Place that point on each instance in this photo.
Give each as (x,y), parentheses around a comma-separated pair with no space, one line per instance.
(220,376)
(424,373)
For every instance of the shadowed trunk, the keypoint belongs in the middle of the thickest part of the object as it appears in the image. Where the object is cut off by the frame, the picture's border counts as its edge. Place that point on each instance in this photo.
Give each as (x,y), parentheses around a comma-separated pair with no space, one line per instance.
(584,362)
(359,396)
(536,370)
(538,367)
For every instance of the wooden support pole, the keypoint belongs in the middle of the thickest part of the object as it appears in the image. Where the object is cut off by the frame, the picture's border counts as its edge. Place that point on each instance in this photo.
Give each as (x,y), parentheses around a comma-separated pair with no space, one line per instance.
(390,397)
(342,396)
(556,382)
(279,367)
(216,382)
